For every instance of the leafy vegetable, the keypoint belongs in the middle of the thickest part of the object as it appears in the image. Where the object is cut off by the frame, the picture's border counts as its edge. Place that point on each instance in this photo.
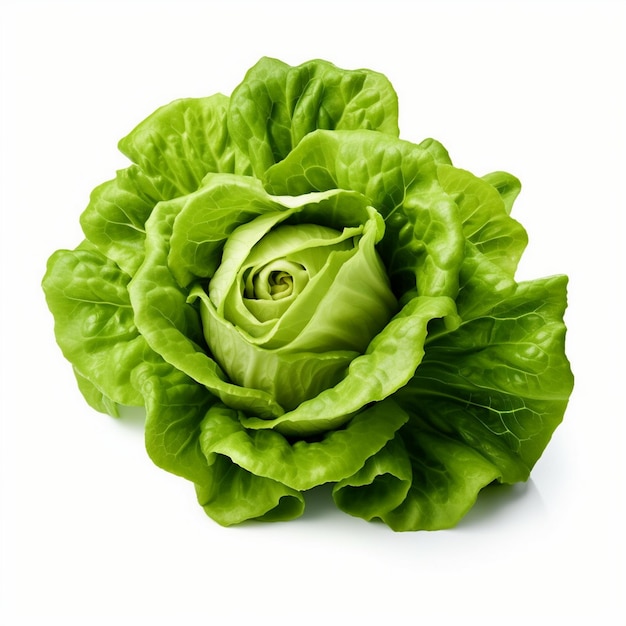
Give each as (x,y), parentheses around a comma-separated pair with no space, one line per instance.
(299,297)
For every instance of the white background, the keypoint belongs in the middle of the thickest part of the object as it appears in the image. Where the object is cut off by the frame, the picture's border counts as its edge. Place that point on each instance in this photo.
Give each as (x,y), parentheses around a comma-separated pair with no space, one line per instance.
(93,533)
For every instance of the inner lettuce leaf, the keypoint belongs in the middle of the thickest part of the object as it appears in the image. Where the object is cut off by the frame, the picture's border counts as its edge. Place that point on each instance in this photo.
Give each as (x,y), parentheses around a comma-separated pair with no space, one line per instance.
(299,297)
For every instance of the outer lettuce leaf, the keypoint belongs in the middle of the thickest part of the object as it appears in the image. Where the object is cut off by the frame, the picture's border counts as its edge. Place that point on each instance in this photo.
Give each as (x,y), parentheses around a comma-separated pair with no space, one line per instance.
(486,222)
(506,185)
(507,373)
(181,142)
(446,479)
(483,284)
(277,105)
(95,397)
(301,464)
(494,241)
(380,486)
(176,407)
(232,495)
(173,149)
(484,404)
(116,215)
(94,325)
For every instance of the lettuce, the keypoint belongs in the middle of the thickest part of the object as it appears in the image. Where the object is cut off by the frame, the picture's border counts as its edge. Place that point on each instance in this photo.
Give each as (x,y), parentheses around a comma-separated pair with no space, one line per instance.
(297,297)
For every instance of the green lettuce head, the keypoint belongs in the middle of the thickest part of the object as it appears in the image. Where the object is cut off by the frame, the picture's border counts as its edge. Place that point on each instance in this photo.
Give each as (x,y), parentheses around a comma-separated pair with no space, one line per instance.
(299,297)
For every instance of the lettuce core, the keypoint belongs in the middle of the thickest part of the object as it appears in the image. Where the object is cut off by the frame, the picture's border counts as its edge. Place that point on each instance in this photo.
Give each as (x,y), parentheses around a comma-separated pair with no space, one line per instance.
(275,281)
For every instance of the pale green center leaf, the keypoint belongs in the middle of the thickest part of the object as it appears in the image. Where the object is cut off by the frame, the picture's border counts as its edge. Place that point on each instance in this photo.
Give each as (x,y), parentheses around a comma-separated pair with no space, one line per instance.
(278,269)
(277,280)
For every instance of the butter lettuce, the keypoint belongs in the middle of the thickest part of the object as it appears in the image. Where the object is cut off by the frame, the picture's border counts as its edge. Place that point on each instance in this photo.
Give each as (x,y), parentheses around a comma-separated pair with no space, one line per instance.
(299,297)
